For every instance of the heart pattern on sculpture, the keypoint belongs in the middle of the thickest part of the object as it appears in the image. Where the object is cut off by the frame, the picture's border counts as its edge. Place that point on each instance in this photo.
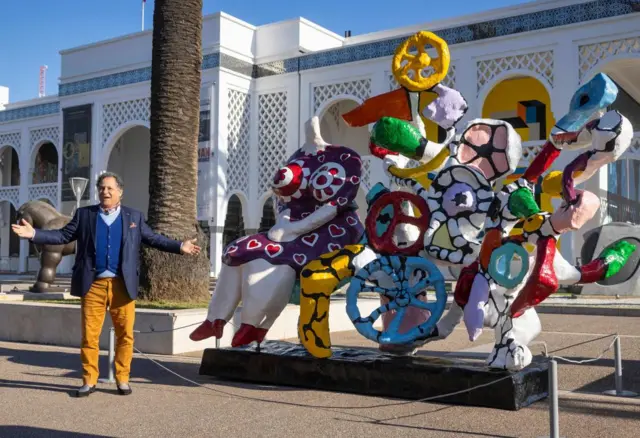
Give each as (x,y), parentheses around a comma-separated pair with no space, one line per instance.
(310,239)
(231,249)
(321,158)
(352,221)
(336,231)
(333,247)
(254,244)
(303,215)
(345,157)
(342,201)
(300,259)
(355,179)
(273,249)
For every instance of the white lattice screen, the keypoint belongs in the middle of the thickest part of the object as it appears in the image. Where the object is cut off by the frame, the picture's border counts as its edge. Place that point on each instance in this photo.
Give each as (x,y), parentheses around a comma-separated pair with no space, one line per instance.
(360,88)
(10,139)
(11,194)
(51,133)
(239,123)
(449,80)
(334,112)
(538,62)
(529,151)
(114,115)
(365,176)
(44,191)
(272,136)
(592,54)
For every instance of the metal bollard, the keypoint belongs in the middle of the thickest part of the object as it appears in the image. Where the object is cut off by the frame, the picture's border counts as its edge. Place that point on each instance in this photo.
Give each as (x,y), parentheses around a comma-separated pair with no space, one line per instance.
(217,343)
(619,392)
(112,357)
(554,423)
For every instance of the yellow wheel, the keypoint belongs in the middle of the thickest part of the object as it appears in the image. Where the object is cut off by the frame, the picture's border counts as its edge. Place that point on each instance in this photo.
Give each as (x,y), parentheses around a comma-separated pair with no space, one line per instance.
(412,56)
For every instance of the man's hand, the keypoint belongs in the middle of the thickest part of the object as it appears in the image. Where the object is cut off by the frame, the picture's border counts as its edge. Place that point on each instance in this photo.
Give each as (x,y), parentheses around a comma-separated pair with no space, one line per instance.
(190,247)
(24,230)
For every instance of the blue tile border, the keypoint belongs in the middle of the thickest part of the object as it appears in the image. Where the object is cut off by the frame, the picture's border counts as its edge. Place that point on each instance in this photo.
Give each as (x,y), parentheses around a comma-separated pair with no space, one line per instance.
(572,14)
(562,16)
(108,81)
(43,109)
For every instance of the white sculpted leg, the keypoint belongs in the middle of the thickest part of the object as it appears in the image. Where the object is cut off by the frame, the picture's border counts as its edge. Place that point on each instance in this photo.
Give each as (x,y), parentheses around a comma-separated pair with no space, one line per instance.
(512,339)
(265,292)
(226,295)
(449,321)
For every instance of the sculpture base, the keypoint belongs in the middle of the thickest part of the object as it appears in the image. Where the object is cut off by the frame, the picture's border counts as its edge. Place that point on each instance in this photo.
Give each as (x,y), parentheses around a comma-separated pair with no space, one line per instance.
(50,289)
(370,372)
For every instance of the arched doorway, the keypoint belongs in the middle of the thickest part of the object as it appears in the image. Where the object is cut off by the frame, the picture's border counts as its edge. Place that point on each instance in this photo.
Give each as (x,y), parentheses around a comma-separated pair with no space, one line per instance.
(233,223)
(525,103)
(9,166)
(9,242)
(9,182)
(129,158)
(334,130)
(268,216)
(45,164)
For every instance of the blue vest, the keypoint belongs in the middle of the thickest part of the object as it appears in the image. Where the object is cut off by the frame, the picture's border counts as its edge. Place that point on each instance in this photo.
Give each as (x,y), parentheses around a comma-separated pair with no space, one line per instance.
(108,243)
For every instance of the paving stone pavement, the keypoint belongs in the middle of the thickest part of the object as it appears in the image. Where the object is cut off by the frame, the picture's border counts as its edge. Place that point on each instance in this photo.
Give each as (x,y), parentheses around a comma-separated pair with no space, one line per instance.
(36,383)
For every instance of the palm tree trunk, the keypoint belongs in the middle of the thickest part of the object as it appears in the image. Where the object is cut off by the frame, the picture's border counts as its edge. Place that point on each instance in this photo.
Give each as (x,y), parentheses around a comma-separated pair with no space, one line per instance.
(175,108)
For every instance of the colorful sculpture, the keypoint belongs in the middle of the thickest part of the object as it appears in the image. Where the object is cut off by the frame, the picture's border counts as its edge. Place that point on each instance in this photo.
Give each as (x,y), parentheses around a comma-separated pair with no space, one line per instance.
(458,207)
(316,214)
(463,216)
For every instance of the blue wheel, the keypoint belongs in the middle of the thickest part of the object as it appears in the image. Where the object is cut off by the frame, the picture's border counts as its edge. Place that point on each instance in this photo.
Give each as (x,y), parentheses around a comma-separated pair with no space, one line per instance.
(411,277)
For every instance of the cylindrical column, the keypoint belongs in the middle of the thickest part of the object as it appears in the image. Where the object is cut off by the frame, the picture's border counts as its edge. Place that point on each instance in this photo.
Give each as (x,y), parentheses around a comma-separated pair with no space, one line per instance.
(619,391)
(618,360)
(112,356)
(554,424)
(112,352)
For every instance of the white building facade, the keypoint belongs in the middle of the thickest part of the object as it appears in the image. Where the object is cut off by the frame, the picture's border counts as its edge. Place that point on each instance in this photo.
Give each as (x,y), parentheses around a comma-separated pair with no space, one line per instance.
(260,85)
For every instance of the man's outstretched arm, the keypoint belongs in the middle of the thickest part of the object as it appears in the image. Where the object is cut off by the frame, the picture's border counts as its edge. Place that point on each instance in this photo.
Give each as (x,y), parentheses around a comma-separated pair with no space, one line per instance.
(64,235)
(165,244)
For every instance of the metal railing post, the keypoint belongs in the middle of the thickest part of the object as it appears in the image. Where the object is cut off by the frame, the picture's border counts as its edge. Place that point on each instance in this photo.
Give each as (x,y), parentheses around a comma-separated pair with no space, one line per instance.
(554,423)
(112,357)
(619,391)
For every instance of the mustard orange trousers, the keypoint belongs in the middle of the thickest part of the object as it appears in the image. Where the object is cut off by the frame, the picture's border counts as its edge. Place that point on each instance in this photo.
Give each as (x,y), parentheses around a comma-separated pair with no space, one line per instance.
(107,293)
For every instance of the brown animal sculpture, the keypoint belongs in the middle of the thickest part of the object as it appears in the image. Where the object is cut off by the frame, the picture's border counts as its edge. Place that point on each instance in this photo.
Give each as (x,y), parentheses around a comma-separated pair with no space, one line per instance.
(42,215)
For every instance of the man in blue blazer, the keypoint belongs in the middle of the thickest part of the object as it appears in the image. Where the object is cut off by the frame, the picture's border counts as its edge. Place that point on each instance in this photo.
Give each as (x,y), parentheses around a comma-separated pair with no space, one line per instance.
(106,272)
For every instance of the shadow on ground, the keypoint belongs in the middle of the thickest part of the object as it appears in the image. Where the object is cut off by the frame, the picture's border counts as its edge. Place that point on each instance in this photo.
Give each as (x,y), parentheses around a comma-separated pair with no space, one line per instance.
(29,432)
(143,371)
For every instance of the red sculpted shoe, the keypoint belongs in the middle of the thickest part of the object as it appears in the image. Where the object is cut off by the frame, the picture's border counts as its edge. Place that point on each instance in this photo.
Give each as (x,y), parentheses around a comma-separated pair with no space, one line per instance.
(208,329)
(247,334)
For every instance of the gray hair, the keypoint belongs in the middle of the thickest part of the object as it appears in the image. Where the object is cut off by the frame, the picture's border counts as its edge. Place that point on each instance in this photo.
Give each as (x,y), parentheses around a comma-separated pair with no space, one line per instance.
(113,175)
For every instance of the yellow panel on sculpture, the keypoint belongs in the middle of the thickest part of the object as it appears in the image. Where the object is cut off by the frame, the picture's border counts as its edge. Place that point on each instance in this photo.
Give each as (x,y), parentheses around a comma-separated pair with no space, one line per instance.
(430,127)
(442,238)
(523,102)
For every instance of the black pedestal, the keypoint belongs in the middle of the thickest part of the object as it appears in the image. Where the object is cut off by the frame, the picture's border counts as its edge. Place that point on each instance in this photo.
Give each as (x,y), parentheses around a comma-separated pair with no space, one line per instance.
(369,372)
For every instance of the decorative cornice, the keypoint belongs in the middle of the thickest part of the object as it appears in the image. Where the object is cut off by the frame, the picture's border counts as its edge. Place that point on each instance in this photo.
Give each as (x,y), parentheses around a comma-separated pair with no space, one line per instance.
(25,112)
(562,16)
(107,81)
(534,21)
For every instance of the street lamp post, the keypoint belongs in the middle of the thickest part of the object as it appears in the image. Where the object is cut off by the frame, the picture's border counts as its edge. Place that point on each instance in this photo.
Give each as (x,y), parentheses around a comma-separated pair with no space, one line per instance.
(78,185)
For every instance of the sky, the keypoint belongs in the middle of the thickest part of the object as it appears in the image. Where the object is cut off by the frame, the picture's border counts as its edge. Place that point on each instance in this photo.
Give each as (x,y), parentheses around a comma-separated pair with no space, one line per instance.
(34,31)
